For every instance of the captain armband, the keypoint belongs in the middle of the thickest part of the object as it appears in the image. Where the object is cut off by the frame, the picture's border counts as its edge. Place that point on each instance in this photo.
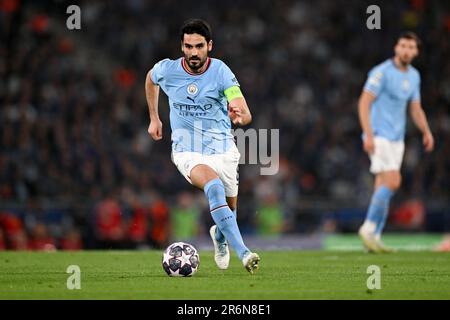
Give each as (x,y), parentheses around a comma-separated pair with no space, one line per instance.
(233,92)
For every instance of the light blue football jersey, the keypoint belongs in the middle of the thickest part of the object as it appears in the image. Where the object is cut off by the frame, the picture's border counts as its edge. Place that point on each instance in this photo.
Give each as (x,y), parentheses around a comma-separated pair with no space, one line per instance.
(198,107)
(394,90)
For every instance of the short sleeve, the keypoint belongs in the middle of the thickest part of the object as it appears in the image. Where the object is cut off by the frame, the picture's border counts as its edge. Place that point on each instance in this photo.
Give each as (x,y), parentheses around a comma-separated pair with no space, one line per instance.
(416,93)
(375,81)
(158,71)
(228,78)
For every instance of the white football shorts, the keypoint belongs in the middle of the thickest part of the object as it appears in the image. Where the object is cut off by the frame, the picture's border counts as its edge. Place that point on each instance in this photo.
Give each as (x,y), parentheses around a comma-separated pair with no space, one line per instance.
(387,156)
(225,165)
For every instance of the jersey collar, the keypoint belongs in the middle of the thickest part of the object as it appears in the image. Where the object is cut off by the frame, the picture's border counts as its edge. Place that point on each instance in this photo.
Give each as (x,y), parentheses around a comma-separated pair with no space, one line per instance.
(185,67)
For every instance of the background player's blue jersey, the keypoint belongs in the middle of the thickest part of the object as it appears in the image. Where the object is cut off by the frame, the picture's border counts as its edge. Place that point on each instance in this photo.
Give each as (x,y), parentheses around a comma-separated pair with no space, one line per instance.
(198,107)
(393,89)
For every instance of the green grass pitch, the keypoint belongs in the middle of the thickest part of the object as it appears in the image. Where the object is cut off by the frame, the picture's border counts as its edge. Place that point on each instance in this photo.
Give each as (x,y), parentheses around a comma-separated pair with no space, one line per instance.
(282,275)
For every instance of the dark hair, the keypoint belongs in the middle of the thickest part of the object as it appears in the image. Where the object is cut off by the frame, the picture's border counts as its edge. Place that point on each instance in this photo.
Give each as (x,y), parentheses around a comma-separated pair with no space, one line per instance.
(198,26)
(410,36)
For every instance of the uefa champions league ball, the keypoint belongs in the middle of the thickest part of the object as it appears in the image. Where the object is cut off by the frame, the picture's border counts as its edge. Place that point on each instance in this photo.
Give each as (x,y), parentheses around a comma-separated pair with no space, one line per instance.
(180,259)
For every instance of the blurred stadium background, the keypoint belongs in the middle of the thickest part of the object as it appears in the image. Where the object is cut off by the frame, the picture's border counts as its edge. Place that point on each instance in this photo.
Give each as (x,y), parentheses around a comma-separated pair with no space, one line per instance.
(78,169)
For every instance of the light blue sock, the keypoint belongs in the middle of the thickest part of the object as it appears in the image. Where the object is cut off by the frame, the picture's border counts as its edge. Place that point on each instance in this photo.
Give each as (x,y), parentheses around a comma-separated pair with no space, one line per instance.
(384,217)
(219,235)
(379,207)
(224,217)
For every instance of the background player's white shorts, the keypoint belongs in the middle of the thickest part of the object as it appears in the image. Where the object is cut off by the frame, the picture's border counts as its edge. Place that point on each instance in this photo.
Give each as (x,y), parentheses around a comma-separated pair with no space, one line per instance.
(388,155)
(225,165)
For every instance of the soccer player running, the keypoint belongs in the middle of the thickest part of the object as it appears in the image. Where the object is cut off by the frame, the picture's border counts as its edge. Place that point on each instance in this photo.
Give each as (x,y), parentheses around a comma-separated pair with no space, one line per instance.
(204,95)
(391,86)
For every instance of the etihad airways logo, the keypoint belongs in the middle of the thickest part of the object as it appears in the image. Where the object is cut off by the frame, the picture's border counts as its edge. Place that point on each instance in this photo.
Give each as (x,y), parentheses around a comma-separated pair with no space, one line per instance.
(192,107)
(192,110)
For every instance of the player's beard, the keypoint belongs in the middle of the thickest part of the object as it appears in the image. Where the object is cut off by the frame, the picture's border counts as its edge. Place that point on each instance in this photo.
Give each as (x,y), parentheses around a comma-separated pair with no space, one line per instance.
(405,61)
(199,63)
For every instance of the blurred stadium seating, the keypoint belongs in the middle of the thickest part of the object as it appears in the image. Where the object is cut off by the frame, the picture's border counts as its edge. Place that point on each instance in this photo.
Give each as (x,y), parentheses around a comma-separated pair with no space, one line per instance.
(78,169)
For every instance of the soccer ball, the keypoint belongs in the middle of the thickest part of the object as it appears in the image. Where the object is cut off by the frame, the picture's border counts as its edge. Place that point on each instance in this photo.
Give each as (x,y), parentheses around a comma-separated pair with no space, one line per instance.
(180,259)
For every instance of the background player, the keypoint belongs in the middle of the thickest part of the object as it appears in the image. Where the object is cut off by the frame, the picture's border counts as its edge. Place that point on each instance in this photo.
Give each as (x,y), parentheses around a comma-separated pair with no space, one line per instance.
(391,86)
(203,149)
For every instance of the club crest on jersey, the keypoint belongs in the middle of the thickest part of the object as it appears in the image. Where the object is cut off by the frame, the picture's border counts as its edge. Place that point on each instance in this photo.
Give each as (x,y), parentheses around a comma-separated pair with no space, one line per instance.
(405,85)
(192,89)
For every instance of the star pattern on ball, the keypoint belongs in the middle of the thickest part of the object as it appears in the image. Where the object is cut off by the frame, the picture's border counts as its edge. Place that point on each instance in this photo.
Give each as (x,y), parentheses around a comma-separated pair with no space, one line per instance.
(184,258)
(180,260)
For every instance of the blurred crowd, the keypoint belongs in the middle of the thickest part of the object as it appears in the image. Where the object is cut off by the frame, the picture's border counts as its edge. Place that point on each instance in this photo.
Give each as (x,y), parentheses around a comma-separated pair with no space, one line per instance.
(78,168)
